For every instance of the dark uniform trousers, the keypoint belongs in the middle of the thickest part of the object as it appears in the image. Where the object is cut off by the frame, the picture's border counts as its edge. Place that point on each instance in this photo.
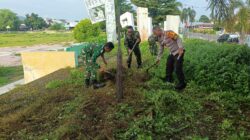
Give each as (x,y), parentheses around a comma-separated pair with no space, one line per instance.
(137,53)
(174,63)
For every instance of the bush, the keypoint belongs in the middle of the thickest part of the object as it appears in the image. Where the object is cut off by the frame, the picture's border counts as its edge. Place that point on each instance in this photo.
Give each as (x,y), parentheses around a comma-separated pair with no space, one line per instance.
(204,31)
(57,27)
(86,30)
(55,84)
(218,67)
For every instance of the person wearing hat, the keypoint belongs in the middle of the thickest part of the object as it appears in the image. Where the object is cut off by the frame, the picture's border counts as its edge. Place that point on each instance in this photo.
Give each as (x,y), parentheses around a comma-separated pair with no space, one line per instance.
(90,53)
(131,42)
(175,59)
(153,47)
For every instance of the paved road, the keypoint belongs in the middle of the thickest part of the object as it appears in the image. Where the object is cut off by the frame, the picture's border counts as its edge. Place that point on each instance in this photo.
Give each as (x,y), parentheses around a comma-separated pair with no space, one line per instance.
(11,86)
(10,56)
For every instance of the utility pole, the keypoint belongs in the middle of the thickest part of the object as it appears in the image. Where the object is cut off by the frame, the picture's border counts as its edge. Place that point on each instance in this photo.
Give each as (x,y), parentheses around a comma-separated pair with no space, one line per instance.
(119,84)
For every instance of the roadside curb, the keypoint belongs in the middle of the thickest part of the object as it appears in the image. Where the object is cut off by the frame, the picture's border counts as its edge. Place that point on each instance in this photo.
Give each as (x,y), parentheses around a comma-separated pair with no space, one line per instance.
(10,86)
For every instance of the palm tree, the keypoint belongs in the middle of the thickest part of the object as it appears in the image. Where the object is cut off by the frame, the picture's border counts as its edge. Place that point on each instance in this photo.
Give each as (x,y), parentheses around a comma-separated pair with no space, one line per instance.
(185,16)
(188,15)
(230,21)
(220,9)
(192,14)
(223,11)
(242,25)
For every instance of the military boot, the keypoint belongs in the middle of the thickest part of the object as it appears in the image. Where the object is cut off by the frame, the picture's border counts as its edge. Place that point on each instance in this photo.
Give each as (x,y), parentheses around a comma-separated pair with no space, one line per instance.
(169,79)
(139,66)
(129,66)
(181,86)
(97,85)
(87,83)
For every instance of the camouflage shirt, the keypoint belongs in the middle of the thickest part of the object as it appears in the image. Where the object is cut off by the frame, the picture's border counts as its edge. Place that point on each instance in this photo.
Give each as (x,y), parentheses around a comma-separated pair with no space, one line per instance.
(131,40)
(91,52)
(153,47)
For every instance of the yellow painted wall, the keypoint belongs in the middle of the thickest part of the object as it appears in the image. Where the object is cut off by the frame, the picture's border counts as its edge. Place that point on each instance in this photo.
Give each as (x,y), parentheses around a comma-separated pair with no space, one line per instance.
(39,64)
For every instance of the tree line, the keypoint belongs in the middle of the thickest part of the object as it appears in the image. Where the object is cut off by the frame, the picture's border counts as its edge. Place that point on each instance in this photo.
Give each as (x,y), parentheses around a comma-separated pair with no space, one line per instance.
(9,21)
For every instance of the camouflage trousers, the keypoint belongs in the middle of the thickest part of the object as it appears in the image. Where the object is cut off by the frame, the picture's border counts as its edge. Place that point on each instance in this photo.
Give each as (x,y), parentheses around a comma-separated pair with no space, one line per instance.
(153,49)
(91,68)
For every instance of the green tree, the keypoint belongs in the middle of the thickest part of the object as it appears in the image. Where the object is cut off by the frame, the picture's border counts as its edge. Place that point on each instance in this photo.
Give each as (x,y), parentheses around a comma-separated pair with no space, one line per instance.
(233,15)
(204,19)
(8,19)
(57,27)
(34,22)
(126,6)
(185,16)
(158,9)
(243,17)
(85,30)
(220,9)
(192,14)
(188,15)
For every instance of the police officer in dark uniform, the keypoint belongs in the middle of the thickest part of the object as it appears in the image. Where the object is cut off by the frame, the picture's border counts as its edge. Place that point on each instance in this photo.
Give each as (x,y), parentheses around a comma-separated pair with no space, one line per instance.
(131,42)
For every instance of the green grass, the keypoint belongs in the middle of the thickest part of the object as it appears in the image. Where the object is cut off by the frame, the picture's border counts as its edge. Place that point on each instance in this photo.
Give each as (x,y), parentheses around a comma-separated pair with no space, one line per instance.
(34,38)
(10,74)
(60,107)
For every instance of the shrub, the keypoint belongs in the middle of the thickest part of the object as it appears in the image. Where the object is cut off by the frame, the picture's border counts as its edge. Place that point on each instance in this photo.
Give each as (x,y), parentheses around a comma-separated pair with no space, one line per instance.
(55,84)
(218,67)
(57,27)
(204,31)
(86,30)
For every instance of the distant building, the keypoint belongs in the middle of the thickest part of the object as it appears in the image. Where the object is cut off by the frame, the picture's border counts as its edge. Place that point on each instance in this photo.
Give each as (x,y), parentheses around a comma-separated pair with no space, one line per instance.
(201,25)
(23,27)
(67,24)
(71,25)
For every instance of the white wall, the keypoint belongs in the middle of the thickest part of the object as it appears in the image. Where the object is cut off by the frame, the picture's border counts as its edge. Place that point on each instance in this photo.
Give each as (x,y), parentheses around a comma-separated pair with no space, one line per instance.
(172,23)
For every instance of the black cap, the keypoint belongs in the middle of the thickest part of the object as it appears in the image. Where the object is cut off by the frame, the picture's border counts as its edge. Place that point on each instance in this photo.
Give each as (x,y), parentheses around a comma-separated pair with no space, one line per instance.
(130,27)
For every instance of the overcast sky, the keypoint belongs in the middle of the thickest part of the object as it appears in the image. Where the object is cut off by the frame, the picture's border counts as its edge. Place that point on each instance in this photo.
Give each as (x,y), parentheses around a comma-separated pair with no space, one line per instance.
(73,9)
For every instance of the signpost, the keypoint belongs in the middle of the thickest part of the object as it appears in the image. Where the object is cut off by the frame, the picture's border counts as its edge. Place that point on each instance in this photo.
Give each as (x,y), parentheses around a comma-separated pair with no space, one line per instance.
(101,10)
(96,10)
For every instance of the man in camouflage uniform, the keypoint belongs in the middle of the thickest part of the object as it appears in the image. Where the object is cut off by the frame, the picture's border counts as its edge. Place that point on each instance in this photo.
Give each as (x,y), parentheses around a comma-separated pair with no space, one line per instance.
(90,53)
(133,39)
(153,48)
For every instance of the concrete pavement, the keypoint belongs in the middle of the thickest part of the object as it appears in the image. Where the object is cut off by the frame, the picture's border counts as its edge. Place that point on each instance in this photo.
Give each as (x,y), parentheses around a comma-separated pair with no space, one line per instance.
(10,56)
(11,86)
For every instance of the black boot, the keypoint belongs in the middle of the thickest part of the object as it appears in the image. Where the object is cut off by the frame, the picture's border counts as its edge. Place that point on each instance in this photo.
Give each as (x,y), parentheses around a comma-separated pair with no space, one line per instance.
(139,66)
(181,86)
(129,66)
(97,85)
(87,83)
(169,79)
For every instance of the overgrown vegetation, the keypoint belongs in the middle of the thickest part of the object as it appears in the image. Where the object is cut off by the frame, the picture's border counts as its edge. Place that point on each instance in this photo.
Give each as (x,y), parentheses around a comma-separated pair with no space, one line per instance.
(85,30)
(10,74)
(211,107)
(34,38)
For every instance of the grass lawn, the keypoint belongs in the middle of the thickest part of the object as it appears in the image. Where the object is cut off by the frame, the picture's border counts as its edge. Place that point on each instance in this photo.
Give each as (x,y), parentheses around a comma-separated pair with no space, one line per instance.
(10,74)
(214,106)
(33,38)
